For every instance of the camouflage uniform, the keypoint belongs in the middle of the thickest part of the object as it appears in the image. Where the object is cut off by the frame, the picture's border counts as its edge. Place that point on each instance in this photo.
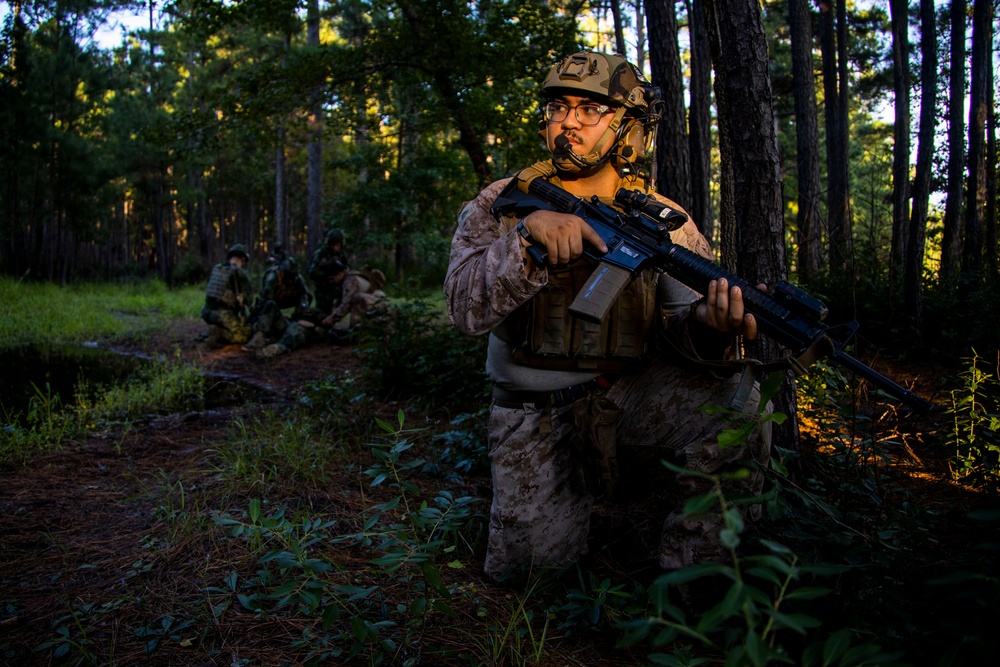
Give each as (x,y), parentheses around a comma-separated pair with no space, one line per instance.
(540,513)
(306,329)
(321,271)
(282,287)
(226,299)
(361,293)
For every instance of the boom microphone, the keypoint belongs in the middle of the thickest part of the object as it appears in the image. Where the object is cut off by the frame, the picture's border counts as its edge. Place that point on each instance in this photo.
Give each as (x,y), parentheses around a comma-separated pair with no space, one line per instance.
(563,145)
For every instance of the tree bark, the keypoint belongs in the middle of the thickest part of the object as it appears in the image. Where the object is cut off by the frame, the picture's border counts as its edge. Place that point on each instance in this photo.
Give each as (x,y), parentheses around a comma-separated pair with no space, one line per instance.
(913,261)
(640,35)
(314,197)
(837,204)
(700,119)
(982,72)
(616,15)
(899,11)
(746,120)
(992,250)
(672,161)
(951,243)
(280,230)
(808,221)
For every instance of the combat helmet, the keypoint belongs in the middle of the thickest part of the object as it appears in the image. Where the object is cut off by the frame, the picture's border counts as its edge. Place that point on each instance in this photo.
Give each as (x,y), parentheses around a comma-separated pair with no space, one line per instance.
(611,78)
(335,235)
(239,250)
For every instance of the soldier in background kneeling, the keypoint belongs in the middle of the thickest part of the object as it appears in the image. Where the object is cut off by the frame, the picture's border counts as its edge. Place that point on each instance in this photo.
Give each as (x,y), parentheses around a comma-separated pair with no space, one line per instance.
(227,297)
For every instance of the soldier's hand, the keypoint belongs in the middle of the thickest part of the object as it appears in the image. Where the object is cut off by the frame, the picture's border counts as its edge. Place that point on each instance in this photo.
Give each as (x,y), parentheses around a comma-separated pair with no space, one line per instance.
(562,235)
(722,309)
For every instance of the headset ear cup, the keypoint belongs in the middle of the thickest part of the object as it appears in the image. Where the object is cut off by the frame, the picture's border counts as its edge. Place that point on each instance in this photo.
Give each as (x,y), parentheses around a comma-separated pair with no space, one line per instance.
(631,149)
(541,129)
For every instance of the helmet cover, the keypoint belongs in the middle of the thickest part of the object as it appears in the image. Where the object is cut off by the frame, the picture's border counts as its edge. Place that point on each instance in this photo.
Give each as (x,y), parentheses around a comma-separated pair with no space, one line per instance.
(239,250)
(598,76)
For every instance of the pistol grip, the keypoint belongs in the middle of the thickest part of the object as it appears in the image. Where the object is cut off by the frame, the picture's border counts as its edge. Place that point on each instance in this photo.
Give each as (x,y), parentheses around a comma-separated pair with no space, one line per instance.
(600,292)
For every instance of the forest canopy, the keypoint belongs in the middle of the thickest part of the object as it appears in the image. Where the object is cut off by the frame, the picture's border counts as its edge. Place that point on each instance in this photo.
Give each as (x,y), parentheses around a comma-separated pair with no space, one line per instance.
(210,123)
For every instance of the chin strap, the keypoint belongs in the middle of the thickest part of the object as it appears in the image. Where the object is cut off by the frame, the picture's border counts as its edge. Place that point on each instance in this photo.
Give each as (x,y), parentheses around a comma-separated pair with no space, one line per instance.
(569,161)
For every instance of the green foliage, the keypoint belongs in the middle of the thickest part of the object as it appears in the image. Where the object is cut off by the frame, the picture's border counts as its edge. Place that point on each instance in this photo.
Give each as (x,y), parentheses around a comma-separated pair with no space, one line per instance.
(43,313)
(412,536)
(280,451)
(157,388)
(758,609)
(410,352)
(73,643)
(975,435)
(44,429)
(190,270)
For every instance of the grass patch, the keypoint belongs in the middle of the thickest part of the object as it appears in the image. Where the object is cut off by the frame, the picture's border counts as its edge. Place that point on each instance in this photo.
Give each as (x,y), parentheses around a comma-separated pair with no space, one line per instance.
(44,313)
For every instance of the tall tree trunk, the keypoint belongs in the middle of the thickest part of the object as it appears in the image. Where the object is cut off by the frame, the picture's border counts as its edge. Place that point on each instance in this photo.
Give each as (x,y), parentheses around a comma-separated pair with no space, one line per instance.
(899,10)
(837,210)
(982,72)
(808,221)
(700,119)
(951,243)
(672,162)
(913,262)
(640,35)
(992,250)
(280,215)
(314,187)
(616,15)
(746,118)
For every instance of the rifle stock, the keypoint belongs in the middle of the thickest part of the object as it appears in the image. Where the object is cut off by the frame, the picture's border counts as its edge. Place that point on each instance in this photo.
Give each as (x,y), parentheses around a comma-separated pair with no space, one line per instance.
(639,238)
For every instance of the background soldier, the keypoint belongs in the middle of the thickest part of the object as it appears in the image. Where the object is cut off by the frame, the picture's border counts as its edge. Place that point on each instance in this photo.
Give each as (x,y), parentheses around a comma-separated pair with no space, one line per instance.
(361,292)
(326,257)
(282,287)
(226,299)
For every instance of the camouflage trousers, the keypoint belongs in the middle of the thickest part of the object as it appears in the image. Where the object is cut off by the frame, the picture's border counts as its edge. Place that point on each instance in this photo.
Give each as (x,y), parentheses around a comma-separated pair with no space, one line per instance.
(234,327)
(540,516)
(270,321)
(298,335)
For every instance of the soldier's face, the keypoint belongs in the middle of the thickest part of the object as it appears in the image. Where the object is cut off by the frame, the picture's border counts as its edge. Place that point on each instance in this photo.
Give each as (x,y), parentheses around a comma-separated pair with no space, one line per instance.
(237,261)
(582,137)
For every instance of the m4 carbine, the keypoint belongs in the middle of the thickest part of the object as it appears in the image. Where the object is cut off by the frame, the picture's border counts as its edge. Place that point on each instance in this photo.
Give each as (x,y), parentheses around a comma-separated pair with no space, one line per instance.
(638,238)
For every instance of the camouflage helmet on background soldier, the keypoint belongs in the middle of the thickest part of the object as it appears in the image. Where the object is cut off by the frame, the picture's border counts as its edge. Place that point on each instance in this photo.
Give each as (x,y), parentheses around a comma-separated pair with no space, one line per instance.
(608,78)
(239,250)
(335,235)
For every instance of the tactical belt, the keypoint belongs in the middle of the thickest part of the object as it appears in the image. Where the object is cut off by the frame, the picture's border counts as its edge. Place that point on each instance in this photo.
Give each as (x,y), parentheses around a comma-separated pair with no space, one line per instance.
(559,398)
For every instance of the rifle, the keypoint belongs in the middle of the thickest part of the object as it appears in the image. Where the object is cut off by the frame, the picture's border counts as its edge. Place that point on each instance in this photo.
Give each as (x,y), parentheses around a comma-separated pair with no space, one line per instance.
(638,237)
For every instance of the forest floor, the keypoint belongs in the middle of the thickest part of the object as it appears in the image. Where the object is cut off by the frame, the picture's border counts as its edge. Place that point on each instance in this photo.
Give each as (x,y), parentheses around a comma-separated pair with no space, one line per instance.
(85,545)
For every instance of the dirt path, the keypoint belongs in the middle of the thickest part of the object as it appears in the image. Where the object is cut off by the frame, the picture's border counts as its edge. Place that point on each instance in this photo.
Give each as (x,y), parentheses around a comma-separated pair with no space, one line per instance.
(82,529)
(283,375)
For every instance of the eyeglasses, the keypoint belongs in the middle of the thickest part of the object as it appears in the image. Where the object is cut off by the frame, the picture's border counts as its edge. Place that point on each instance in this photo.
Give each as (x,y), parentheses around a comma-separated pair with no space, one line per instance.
(586,114)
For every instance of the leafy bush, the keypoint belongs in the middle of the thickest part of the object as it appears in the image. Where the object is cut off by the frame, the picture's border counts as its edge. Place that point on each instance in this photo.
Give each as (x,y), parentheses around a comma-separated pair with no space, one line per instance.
(190,270)
(976,432)
(409,352)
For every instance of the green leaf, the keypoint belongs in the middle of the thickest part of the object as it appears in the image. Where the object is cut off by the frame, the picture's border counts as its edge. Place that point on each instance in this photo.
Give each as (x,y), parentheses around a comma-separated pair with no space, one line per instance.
(694,572)
(807,593)
(835,645)
(255,510)
(729,538)
(701,504)
(798,622)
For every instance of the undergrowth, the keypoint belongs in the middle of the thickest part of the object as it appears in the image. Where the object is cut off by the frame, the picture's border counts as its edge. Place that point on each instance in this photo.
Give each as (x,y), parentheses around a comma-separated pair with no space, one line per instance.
(364,532)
